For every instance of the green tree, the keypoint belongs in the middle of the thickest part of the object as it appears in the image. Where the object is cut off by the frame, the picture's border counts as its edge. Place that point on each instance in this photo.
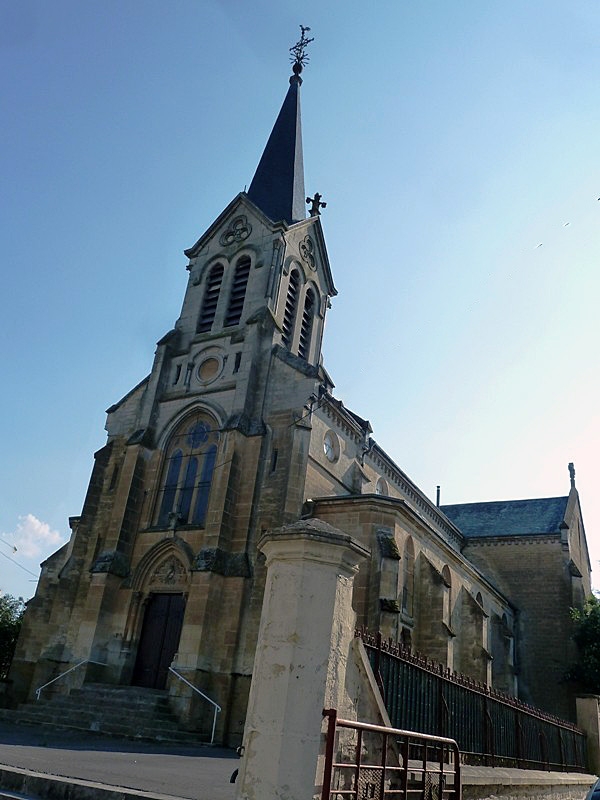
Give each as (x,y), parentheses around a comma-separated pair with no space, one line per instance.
(11,615)
(587,638)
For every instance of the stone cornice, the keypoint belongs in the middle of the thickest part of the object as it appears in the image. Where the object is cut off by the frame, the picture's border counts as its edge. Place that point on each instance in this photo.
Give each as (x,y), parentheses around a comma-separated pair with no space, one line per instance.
(342,419)
(347,423)
(522,538)
(384,464)
(396,505)
(295,362)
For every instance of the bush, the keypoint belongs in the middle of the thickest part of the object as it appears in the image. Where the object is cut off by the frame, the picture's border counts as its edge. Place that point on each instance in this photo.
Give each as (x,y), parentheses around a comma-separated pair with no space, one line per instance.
(11,615)
(586,672)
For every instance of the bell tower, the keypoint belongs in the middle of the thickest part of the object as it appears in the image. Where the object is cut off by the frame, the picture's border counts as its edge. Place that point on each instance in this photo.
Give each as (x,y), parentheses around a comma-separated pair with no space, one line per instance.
(262,258)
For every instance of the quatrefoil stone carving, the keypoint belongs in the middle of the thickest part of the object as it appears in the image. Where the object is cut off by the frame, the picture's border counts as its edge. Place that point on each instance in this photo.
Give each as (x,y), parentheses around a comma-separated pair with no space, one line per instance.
(238,230)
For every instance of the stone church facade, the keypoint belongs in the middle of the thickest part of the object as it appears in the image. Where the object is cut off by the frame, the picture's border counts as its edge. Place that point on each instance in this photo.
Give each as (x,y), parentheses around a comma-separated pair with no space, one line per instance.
(235,431)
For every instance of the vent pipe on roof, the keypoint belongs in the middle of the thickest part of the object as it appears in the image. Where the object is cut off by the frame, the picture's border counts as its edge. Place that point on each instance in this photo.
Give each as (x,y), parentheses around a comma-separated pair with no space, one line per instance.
(437,496)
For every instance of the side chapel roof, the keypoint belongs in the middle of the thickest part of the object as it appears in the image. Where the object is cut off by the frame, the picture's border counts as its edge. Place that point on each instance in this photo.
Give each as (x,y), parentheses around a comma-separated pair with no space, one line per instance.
(508,517)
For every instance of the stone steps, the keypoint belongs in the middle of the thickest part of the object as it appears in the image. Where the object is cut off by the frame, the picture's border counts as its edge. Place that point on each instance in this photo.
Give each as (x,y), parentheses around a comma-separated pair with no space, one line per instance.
(123,711)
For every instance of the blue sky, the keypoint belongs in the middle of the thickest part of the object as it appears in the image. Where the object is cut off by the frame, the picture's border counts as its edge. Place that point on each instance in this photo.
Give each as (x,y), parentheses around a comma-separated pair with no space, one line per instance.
(452,142)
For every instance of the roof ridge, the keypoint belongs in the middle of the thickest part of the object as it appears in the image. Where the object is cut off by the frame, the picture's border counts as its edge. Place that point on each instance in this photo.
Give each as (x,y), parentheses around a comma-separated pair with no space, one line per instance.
(504,502)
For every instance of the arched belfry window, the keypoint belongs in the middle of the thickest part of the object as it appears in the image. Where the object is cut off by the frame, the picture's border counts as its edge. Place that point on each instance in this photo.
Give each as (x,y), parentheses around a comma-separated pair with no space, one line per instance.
(291,303)
(187,473)
(211,298)
(308,315)
(237,294)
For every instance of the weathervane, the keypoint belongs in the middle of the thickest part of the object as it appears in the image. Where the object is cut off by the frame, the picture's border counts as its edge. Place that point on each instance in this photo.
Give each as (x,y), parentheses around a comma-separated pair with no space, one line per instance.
(299,58)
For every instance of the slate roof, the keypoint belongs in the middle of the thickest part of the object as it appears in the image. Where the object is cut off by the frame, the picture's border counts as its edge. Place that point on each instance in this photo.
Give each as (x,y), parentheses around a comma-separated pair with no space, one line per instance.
(278,184)
(508,517)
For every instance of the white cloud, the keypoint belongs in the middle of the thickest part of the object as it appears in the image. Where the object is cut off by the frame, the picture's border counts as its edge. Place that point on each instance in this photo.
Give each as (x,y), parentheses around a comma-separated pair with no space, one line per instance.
(32,537)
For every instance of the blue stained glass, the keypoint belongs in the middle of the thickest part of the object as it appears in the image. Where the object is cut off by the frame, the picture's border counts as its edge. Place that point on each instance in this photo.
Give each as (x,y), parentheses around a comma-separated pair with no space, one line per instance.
(170,490)
(185,498)
(204,485)
(198,434)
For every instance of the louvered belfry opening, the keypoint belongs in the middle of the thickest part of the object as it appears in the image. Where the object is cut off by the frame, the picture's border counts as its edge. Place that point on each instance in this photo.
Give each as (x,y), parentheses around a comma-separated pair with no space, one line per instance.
(238,291)
(289,314)
(211,298)
(307,325)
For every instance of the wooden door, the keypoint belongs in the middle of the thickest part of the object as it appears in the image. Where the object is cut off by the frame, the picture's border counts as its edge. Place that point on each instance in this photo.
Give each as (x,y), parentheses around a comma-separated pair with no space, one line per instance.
(159,640)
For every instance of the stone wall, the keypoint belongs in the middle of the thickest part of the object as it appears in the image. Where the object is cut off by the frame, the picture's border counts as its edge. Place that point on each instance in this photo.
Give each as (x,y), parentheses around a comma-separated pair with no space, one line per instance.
(533,572)
(441,606)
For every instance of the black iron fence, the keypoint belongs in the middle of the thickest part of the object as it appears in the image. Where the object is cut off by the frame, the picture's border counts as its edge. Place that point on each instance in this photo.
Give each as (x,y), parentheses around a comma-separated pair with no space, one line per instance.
(370,761)
(490,727)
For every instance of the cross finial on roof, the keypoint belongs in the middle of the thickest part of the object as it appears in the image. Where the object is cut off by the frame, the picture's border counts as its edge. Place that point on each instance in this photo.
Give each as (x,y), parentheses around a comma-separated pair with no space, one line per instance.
(572,474)
(316,204)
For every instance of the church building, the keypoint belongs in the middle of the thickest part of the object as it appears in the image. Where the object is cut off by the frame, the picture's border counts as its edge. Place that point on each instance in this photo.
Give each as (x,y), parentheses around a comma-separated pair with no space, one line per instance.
(237,430)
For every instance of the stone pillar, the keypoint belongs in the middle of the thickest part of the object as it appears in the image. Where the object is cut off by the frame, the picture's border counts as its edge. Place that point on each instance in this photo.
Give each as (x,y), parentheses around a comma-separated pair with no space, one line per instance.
(304,640)
(588,718)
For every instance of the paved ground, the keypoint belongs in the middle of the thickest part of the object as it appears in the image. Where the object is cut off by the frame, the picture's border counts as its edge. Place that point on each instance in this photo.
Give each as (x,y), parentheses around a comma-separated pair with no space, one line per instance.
(199,773)
(174,772)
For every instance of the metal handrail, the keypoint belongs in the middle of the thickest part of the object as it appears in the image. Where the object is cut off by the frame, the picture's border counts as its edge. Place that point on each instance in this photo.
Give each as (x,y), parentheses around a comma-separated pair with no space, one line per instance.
(217,707)
(38,691)
(439,761)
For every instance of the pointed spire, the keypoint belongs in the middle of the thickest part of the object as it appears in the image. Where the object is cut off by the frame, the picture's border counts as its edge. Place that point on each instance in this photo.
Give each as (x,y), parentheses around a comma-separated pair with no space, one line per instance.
(278,184)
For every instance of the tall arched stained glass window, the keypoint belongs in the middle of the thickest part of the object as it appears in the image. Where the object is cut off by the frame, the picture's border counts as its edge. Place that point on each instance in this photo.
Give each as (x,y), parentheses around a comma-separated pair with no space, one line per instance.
(211,298)
(187,472)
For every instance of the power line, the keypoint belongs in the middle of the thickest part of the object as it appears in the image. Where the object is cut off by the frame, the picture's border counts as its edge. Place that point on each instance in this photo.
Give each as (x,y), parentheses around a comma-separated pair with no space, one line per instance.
(19,565)
(12,547)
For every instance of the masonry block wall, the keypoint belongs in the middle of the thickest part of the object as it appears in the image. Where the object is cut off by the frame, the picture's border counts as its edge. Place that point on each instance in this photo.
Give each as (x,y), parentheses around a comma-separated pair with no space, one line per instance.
(533,572)
(452,602)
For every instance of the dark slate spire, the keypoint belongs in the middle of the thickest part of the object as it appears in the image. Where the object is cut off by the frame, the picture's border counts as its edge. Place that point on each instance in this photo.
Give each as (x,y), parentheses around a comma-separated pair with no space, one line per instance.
(278,184)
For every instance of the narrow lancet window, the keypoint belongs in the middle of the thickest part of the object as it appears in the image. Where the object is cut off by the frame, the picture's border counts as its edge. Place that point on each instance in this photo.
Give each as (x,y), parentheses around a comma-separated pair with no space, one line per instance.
(289,313)
(170,486)
(307,325)
(211,298)
(238,292)
(204,486)
(447,608)
(408,578)
(187,490)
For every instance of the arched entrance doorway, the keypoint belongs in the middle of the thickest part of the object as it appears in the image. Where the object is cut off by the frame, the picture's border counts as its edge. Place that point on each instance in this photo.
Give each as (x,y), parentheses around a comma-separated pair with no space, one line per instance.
(161,629)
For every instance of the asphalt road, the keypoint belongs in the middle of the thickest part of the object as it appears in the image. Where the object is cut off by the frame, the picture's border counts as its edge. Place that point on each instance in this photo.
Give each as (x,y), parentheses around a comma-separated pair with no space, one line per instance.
(194,773)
